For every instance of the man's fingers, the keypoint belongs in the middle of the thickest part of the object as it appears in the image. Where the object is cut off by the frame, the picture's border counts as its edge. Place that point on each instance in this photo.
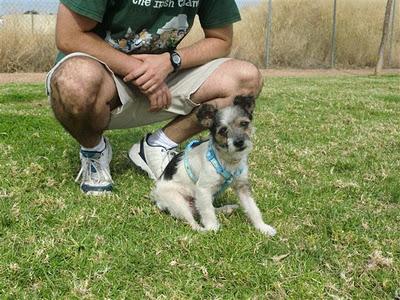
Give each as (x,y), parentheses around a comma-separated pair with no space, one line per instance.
(164,102)
(161,99)
(152,89)
(135,74)
(150,86)
(154,102)
(169,98)
(143,80)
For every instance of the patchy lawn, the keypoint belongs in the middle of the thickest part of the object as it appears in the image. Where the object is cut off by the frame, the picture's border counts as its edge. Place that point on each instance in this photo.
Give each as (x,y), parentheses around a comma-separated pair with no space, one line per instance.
(325,173)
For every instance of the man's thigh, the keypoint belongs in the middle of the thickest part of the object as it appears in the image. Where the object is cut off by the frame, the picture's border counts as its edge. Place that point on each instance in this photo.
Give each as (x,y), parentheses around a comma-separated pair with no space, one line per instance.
(134,111)
(130,108)
(232,78)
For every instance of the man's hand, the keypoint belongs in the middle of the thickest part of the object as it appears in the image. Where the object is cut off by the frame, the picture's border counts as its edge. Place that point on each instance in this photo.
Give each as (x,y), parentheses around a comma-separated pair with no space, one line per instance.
(160,98)
(150,75)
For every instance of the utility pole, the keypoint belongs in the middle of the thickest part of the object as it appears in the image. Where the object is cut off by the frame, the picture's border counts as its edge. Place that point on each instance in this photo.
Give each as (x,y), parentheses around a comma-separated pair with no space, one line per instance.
(32,23)
(385,34)
(391,33)
(268,34)
(333,43)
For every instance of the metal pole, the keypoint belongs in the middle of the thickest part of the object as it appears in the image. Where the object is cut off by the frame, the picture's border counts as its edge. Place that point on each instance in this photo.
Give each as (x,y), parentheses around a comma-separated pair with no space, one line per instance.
(391,33)
(32,23)
(333,43)
(268,34)
(385,37)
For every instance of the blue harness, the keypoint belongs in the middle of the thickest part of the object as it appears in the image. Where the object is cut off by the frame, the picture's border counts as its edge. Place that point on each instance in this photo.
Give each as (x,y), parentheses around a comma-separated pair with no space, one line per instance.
(212,158)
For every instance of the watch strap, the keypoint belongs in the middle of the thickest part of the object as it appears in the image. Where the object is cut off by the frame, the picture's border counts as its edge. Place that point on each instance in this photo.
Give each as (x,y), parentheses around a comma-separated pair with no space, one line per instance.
(175,65)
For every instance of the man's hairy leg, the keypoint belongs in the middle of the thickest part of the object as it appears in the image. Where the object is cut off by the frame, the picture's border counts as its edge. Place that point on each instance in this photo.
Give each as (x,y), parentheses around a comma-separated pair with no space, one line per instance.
(83,95)
(232,78)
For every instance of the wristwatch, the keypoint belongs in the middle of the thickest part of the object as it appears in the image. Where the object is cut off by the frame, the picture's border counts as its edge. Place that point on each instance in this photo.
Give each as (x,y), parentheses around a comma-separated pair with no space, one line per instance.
(175,60)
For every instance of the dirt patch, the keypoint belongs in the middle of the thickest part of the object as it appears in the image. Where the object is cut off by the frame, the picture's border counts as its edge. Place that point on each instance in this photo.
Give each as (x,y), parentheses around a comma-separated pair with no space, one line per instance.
(22,77)
(323,72)
(40,77)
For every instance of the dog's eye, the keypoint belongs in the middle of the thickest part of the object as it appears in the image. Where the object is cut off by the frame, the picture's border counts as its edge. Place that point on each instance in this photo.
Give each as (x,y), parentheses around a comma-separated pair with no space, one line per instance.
(223,131)
(244,124)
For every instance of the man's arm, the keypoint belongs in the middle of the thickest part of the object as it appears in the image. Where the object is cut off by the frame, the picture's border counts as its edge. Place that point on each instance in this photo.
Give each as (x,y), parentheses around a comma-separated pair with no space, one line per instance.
(216,43)
(73,34)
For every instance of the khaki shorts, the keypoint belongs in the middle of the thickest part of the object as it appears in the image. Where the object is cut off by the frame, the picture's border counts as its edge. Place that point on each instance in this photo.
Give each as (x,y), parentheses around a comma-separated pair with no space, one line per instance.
(134,111)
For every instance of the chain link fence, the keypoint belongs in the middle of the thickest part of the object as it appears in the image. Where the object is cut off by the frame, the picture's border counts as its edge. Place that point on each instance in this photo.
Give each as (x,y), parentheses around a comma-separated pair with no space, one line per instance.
(336,23)
(273,34)
(34,16)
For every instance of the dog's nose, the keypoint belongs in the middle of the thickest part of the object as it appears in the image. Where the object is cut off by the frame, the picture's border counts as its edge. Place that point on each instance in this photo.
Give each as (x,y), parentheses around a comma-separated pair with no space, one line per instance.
(238,143)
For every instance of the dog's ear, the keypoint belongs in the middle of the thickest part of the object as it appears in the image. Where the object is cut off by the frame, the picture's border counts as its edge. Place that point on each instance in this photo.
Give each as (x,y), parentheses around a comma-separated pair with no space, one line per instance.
(248,104)
(205,115)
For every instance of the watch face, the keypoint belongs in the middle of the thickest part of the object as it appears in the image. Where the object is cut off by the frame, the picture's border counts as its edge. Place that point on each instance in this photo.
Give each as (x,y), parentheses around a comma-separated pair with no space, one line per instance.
(176,58)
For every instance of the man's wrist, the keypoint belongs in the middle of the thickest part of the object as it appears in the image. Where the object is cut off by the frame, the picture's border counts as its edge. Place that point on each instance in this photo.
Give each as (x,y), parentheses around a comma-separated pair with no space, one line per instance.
(176,60)
(131,63)
(168,62)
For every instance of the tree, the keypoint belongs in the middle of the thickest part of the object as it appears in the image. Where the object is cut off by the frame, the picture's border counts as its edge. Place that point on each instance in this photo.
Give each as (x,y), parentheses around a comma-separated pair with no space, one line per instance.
(31,12)
(385,34)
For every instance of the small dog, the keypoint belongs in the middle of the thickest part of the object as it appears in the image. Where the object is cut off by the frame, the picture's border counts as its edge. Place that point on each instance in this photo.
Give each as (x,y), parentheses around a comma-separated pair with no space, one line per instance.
(193,177)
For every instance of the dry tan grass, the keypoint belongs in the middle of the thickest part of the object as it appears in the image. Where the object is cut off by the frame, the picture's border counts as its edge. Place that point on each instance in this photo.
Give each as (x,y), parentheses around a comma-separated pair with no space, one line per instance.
(22,50)
(28,53)
(301,37)
(301,33)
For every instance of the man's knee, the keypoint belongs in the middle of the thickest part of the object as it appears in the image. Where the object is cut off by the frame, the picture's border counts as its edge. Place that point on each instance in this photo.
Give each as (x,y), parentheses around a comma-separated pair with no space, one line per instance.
(249,78)
(75,84)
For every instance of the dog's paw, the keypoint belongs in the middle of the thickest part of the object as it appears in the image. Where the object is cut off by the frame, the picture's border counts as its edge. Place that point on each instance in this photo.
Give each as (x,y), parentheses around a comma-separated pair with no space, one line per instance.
(212,227)
(197,227)
(266,229)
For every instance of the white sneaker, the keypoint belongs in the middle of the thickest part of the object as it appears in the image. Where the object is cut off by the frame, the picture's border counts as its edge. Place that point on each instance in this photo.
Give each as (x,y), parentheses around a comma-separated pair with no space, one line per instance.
(151,159)
(95,171)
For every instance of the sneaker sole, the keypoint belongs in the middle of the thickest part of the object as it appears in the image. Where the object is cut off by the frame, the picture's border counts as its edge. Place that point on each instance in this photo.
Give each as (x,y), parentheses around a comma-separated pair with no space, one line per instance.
(96,190)
(98,193)
(135,158)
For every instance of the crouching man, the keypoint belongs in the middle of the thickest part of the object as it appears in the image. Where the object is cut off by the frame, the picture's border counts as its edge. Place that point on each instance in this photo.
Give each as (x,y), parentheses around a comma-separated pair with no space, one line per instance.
(118,67)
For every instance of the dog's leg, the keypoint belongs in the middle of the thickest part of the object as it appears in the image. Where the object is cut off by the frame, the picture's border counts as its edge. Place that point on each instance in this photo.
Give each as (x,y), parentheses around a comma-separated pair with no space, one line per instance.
(251,209)
(168,199)
(206,209)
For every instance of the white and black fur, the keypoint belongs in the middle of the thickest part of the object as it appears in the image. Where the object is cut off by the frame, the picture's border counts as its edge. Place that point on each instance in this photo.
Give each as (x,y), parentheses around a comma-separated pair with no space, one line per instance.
(230,132)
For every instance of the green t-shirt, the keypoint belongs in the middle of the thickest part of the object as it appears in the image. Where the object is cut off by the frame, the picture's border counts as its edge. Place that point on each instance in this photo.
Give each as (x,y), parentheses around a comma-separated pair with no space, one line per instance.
(152,26)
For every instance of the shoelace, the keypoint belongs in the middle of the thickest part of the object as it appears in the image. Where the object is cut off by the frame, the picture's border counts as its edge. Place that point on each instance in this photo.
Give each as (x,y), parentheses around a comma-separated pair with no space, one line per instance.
(169,155)
(86,171)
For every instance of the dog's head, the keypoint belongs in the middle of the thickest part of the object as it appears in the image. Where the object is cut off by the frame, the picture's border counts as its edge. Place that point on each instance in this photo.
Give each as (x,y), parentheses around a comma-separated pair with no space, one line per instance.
(231,126)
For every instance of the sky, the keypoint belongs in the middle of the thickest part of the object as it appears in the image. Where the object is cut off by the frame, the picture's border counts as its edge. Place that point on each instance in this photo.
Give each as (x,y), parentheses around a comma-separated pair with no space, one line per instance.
(20,6)
(50,6)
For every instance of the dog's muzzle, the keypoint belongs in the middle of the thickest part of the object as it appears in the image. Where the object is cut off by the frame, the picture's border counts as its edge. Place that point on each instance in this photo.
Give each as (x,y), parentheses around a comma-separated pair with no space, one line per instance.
(240,145)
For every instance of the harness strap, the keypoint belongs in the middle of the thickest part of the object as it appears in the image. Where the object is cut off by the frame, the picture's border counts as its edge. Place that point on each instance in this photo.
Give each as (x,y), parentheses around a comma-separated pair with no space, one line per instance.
(212,158)
(186,163)
(228,176)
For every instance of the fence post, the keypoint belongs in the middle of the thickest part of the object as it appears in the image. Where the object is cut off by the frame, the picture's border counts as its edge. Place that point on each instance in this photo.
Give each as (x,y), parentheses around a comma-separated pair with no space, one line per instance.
(32,23)
(268,34)
(391,33)
(385,35)
(333,43)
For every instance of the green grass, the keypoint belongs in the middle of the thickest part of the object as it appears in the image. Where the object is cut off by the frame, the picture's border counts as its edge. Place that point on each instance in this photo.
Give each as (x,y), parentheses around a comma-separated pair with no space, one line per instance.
(325,173)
